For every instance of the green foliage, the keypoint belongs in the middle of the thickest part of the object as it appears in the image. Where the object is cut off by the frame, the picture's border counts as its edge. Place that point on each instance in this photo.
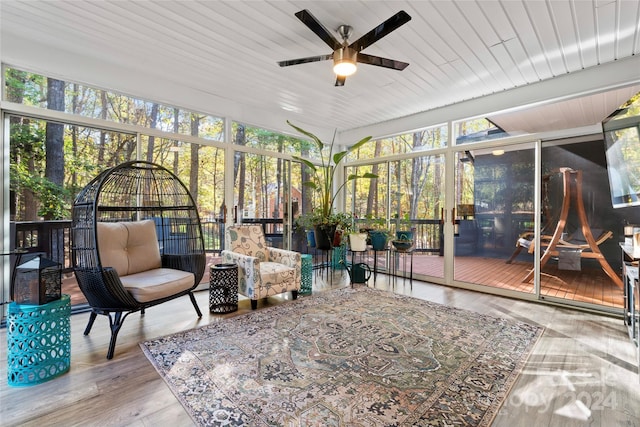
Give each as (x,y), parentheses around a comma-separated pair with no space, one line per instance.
(323,176)
(27,140)
(305,221)
(342,220)
(54,200)
(371,222)
(403,222)
(24,87)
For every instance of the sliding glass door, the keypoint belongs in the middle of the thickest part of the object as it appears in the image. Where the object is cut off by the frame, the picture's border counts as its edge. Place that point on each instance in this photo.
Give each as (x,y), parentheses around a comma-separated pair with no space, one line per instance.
(494,210)
(580,256)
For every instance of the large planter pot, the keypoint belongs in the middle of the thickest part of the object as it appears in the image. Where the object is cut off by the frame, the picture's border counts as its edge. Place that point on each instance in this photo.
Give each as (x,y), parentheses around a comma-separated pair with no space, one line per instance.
(358,242)
(404,235)
(378,240)
(402,245)
(324,236)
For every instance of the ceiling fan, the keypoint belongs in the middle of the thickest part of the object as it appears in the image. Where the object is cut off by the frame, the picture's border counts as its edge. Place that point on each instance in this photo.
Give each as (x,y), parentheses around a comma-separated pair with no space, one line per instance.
(345,55)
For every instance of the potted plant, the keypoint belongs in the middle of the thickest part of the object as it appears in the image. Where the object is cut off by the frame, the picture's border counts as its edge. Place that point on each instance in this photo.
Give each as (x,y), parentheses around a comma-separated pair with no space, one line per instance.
(358,241)
(321,181)
(402,243)
(404,232)
(343,226)
(377,230)
(357,237)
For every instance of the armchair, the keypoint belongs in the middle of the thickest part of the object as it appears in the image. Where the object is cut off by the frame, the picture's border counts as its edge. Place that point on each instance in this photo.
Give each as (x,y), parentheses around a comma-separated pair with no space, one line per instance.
(137,242)
(262,271)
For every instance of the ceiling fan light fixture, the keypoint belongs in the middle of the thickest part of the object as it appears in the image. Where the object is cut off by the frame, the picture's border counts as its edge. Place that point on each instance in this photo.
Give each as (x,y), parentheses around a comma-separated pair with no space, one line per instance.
(344,61)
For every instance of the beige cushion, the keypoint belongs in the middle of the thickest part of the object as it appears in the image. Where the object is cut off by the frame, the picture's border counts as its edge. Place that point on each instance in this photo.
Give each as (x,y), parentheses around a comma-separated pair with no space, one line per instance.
(275,273)
(157,283)
(128,247)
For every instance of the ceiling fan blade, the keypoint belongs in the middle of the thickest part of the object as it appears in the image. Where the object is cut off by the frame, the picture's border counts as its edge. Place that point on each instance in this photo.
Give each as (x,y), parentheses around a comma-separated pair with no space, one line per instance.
(304,60)
(382,62)
(381,30)
(314,25)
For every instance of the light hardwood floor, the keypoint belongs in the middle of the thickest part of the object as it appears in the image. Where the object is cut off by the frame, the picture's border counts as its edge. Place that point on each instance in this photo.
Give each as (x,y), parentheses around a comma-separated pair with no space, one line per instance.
(582,372)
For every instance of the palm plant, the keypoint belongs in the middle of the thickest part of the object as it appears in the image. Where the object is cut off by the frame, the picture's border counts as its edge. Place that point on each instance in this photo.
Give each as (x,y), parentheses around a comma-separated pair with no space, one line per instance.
(323,175)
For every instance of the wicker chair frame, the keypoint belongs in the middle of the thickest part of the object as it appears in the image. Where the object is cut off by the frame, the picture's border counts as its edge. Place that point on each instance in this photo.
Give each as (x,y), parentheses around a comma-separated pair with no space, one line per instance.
(132,191)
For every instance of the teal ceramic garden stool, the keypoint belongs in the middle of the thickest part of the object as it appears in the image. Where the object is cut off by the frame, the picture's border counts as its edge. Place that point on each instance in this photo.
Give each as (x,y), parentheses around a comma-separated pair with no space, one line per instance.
(38,341)
(307,270)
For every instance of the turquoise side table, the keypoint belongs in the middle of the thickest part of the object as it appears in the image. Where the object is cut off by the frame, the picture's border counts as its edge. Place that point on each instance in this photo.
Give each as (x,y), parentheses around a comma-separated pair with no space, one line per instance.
(339,257)
(307,270)
(38,341)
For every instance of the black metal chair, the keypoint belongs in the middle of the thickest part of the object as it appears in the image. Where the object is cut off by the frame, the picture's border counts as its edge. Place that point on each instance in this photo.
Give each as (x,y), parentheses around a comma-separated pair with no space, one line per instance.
(134,191)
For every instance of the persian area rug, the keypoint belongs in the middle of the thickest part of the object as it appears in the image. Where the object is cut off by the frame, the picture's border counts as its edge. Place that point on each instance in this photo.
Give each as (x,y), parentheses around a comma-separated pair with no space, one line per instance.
(350,357)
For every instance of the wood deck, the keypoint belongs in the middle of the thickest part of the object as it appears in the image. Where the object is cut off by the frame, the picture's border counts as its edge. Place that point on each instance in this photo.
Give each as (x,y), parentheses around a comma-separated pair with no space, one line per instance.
(590,285)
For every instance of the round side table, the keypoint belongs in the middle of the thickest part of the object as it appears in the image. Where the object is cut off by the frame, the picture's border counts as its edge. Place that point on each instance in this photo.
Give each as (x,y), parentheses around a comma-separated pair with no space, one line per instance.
(223,288)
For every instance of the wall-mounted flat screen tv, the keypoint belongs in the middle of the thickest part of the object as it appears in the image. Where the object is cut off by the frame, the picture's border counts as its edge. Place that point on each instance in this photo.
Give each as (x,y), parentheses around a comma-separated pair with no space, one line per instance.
(623,164)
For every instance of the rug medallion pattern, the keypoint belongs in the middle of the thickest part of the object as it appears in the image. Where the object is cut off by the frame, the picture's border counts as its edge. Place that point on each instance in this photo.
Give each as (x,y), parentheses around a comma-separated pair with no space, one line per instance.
(346,358)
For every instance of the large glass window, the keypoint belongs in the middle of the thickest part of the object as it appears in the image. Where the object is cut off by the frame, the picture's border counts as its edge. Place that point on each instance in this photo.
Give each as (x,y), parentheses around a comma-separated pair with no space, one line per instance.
(474,130)
(262,182)
(262,194)
(254,137)
(426,139)
(39,91)
(201,169)
(623,159)
(407,195)
(49,163)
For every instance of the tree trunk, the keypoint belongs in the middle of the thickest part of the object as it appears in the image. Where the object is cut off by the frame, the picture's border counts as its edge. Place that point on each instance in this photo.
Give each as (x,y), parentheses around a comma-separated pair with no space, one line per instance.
(54,145)
(276,208)
(372,199)
(152,139)
(239,168)
(15,93)
(307,206)
(74,136)
(103,134)
(195,159)
(263,189)
(176,129)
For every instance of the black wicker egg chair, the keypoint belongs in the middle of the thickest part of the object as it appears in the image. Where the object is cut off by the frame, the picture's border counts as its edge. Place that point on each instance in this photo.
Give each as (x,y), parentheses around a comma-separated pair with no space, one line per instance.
(126,196)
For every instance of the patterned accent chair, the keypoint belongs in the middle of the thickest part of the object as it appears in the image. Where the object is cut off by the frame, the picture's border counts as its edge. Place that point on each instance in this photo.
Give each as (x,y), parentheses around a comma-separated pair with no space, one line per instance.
(262,271)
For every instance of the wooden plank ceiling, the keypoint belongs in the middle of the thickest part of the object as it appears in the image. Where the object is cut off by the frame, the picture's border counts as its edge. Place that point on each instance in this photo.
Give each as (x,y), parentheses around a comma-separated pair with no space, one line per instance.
(226,52)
